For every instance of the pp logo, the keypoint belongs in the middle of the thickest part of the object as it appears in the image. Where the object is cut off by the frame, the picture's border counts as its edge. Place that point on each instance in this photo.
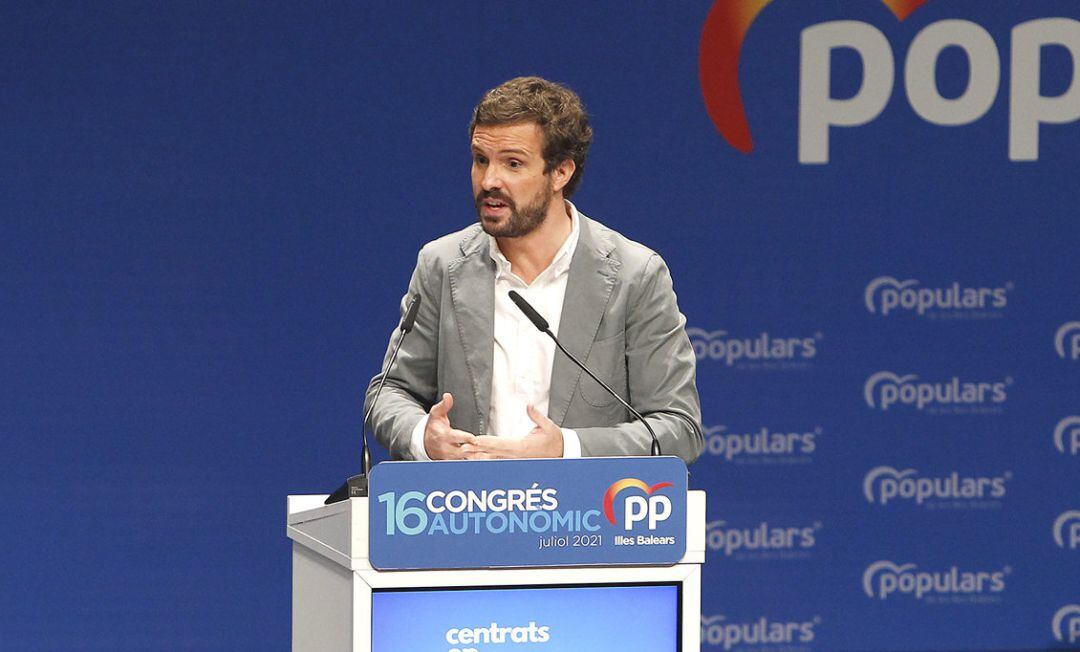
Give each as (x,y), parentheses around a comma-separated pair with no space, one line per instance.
(884,578)
(1067,530)
(759,444)
(1067,435)
(636,509)
(1067,341)
(886,389)
(729,21)
(885,295)
(762,537)
(763,349)
(884,484)
(717,631)
(1066,624)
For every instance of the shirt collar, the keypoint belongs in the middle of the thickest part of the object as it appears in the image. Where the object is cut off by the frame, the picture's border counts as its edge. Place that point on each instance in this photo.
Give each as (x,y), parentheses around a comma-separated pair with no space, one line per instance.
(559,265)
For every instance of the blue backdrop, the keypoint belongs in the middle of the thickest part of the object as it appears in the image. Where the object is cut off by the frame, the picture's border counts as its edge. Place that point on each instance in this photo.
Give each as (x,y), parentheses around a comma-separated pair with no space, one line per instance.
(211,212)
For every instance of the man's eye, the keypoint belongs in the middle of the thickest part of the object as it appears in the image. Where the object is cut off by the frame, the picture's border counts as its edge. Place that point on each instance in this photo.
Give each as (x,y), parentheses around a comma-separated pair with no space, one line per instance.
(480,160)
(515,164)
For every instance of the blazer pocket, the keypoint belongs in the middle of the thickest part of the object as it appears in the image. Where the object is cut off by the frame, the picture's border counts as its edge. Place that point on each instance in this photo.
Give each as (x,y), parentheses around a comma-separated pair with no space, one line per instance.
(607,359)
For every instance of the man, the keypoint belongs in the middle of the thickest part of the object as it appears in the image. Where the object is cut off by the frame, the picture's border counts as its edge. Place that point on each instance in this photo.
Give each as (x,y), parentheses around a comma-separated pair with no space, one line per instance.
(475,379)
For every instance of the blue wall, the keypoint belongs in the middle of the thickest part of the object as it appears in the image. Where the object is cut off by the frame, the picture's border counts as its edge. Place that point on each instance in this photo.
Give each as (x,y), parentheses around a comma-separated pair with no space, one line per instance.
(211,212)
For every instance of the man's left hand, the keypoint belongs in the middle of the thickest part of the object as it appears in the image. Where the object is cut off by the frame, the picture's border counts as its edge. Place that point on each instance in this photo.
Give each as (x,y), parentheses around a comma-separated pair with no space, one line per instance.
(545,440)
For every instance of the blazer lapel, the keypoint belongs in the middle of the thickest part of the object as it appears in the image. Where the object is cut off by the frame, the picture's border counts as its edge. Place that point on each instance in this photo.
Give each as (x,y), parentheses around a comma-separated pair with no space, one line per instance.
(472,290)
(591,279)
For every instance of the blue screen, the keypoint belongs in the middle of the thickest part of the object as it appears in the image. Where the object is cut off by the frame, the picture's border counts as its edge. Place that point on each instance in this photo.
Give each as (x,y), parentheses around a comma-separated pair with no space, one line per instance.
(641,618)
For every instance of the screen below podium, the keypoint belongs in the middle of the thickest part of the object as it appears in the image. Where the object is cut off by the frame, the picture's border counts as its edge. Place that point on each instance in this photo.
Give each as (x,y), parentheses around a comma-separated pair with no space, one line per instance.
(598,618)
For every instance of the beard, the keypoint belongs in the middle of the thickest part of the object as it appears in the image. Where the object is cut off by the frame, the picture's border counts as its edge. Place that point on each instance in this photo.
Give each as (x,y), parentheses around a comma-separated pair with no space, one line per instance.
(520,222)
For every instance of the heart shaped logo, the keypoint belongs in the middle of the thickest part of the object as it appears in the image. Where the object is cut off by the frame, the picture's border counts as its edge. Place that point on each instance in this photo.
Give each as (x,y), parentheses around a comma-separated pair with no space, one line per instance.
(627,483)
(718,62)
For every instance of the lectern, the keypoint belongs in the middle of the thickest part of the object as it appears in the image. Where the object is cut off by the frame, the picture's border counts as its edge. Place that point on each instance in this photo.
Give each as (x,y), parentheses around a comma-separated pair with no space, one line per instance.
(483,556)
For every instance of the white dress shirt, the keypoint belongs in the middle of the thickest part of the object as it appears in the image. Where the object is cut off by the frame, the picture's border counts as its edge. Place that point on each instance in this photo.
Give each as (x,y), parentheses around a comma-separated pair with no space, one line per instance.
(523,356)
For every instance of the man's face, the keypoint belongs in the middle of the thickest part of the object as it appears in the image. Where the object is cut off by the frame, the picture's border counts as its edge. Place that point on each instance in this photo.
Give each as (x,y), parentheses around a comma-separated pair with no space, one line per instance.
(511,190)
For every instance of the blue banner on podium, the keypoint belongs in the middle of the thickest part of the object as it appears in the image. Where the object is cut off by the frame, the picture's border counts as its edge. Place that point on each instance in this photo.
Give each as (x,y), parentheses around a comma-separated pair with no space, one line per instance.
(513,513)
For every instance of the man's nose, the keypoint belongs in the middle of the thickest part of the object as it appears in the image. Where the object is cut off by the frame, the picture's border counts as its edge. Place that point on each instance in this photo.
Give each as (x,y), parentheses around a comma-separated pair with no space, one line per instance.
(491,180)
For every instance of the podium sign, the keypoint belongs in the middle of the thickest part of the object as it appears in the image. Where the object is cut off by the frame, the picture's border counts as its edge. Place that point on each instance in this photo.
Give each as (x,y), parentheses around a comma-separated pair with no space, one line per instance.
(513,513)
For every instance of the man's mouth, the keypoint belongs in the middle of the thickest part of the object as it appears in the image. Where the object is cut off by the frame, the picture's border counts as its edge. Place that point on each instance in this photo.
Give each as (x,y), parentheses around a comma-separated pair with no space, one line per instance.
(493,206)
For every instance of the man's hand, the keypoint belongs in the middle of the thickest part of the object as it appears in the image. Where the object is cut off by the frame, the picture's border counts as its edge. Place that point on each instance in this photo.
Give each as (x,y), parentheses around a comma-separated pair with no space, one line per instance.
(440,440)
(545,440)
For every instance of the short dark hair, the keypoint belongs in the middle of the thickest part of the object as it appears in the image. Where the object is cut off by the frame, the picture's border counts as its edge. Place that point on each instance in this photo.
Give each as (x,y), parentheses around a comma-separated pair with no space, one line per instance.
(556,108)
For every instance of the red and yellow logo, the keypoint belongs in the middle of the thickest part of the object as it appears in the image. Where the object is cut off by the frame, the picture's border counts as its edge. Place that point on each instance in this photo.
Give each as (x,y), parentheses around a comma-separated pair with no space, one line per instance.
(627,483)
(718,62)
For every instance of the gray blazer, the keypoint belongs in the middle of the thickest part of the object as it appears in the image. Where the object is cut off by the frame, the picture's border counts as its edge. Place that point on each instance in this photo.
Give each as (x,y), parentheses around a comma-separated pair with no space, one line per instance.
(619,316)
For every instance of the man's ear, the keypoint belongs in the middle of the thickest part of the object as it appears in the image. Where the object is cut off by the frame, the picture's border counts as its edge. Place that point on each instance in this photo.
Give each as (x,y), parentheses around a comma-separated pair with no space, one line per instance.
(561,174)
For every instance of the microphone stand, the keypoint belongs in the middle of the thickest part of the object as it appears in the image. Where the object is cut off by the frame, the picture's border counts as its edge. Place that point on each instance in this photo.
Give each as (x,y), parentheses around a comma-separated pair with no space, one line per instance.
(357,485)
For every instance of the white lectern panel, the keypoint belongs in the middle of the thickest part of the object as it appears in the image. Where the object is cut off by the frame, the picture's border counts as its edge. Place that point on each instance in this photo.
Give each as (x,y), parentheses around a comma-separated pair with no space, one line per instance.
(333,581)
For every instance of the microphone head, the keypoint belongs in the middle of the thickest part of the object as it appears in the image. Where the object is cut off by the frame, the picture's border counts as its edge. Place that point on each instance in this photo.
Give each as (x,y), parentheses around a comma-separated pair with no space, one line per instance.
(529,311)
(410,314)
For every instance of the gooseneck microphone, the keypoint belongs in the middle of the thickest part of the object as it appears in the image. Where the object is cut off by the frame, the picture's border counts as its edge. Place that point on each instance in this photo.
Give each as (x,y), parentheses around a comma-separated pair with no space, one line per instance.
(544,327)
(357,485)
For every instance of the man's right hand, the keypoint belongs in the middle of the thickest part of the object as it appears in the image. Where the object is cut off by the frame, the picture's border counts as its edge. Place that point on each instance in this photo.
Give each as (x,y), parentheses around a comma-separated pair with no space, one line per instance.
(441,442)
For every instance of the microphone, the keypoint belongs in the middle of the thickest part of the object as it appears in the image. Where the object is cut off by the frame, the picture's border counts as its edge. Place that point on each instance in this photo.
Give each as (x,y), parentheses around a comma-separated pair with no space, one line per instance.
(410,315)
(357,485)
(543,326)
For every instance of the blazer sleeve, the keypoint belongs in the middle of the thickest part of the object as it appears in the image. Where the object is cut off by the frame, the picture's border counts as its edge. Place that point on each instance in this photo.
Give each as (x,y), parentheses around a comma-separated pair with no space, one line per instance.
(661,377)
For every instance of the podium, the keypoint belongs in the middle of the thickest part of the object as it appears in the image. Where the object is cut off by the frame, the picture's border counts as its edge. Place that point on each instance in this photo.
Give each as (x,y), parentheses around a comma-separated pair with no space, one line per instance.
(337,591)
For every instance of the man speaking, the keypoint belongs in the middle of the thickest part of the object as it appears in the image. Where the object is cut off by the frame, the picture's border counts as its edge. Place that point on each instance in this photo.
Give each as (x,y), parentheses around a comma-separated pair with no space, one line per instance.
(476,379)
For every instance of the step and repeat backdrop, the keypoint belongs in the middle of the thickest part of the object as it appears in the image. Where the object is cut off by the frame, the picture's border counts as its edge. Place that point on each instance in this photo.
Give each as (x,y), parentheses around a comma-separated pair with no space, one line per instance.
(871,211)
(891,377)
